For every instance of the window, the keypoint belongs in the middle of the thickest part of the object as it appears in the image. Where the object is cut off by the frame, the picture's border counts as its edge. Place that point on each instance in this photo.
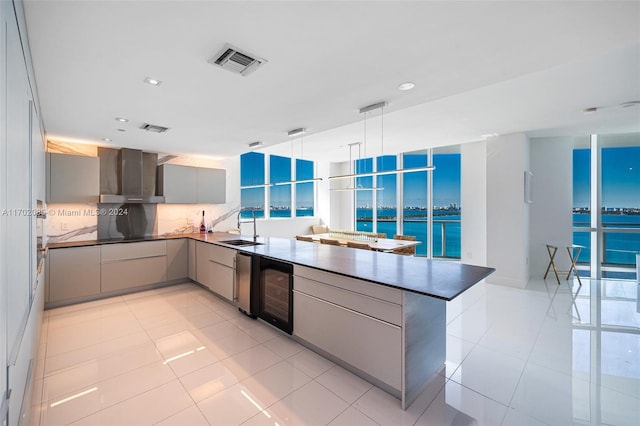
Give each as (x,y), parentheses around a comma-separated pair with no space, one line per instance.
(364,197)
(415,203)
(420,214)
(446,204)
(280,195)
(304,191)
(618,205)
(386,200)
(252,173)
(582,202)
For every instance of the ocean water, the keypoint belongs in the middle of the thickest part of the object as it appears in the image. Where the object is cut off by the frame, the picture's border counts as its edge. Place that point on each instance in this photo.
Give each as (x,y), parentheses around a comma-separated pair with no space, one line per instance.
(620,248)
(415,223)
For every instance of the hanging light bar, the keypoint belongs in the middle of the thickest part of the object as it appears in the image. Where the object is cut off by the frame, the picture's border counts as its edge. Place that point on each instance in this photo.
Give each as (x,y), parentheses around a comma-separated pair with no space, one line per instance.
(261,185)
(356,188)
(364,110)
(297,181)
(386,172)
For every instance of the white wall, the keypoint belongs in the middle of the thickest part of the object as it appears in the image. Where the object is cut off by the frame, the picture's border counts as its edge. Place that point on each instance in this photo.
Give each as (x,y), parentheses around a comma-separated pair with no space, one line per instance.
(551,219)
(323,196)
(342,205)
(474,203)
(507,213)
(280,227)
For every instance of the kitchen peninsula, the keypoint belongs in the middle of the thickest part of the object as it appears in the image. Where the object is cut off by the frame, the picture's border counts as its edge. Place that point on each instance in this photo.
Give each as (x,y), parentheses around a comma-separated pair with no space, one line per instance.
(381,315)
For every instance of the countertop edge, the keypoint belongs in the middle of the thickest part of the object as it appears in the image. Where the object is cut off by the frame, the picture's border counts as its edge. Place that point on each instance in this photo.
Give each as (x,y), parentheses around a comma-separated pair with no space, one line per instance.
(214,238)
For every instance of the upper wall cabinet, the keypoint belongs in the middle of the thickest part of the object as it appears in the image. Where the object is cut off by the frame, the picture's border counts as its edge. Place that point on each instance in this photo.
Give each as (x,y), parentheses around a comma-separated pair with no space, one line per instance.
(178,184)
(72,178)
(191,185)
(212,185)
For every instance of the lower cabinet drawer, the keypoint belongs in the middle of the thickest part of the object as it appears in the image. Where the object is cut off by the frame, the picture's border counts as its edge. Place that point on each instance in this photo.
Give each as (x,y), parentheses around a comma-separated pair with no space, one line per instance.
(366,343)
(221,280)
(362,303)
(119,275)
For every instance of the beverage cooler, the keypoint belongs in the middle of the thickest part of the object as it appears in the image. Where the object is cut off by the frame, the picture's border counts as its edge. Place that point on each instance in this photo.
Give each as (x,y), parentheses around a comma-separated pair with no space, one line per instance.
(275,293)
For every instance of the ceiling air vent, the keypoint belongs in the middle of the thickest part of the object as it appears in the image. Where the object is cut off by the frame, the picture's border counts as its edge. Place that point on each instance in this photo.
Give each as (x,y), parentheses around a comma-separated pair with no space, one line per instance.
(153,128)
(236,60)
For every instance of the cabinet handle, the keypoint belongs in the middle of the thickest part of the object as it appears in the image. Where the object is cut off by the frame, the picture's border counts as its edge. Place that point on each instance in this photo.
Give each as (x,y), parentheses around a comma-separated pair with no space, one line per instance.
(104,262)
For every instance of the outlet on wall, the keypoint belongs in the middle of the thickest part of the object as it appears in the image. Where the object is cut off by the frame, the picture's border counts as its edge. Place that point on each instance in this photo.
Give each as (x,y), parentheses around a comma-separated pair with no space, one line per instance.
(64,226)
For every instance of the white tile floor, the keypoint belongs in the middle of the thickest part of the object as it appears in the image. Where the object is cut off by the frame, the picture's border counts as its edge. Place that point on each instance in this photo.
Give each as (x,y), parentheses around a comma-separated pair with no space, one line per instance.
(545,355)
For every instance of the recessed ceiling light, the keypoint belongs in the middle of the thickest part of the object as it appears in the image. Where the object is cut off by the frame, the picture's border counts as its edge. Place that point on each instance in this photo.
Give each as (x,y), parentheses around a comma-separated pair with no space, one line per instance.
(406,86)
(106,139)
(123,120)
(152,81)
(121,130)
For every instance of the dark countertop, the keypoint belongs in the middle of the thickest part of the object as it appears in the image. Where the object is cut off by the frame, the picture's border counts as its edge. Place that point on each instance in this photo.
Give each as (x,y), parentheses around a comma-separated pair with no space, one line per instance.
(442,279)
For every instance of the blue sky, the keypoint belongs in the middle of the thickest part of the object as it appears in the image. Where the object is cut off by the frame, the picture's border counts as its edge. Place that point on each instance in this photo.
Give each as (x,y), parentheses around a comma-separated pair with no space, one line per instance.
(620,177)
(446,180)
(252,173)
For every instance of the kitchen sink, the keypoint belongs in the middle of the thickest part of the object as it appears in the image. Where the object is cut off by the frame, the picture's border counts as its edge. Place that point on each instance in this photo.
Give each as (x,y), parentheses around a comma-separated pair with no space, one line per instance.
(241,243)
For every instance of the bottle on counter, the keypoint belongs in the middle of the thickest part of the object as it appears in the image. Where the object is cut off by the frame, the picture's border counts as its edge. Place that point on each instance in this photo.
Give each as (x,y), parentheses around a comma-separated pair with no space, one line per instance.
(203,227)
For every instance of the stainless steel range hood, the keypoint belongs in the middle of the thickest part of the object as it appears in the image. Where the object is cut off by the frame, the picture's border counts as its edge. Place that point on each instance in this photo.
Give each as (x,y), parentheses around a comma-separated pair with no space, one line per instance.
(128,176)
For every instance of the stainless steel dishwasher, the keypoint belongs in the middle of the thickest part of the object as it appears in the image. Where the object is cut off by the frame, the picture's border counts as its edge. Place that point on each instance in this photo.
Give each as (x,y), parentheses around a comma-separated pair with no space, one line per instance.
(243,283)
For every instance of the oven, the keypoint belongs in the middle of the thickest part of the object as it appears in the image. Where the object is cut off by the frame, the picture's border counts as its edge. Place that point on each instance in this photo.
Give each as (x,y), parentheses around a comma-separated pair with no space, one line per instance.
(275,295)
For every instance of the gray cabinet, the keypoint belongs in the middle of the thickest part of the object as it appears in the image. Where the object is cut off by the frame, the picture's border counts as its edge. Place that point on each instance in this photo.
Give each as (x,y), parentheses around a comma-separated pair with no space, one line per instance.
(222,271)
(178,184)
(133,265)
(73,178)
(212,184)
(372,342)
(192,259)
(202,262)
(191,185)
(215,268)
(74,273)
(177,259)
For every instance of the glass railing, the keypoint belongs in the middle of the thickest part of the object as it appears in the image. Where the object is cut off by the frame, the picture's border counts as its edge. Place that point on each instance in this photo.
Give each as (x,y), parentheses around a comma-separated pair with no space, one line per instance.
(446,238)
(620,244)
(446,234)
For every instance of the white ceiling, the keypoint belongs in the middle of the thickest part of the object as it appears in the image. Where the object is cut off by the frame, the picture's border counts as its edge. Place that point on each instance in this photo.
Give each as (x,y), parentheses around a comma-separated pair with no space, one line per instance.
(479,68)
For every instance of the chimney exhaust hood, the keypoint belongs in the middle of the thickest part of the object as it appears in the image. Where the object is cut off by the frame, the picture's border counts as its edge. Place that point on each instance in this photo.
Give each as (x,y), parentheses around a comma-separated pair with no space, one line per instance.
(128,176)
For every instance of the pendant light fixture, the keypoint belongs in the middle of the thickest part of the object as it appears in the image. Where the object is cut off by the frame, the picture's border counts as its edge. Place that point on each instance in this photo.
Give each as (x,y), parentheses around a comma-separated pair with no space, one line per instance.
(295,132)
(365,110)
(352,186)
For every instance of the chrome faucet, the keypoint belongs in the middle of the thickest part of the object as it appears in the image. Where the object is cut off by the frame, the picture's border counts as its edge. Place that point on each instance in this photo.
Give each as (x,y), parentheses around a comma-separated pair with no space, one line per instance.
(253,214)
(255,233)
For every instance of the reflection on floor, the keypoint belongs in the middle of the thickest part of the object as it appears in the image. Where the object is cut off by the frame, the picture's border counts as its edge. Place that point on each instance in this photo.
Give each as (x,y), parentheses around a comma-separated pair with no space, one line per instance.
(545,355)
